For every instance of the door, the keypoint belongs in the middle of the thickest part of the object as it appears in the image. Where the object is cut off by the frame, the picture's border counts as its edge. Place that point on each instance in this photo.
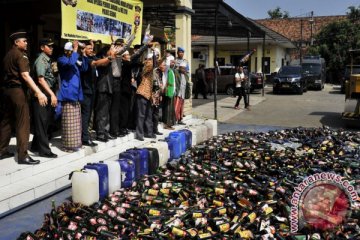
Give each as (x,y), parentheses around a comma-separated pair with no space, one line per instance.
(266,65)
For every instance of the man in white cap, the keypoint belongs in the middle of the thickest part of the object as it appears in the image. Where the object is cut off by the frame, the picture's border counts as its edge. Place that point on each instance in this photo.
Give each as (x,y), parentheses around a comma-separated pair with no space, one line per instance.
(16,109)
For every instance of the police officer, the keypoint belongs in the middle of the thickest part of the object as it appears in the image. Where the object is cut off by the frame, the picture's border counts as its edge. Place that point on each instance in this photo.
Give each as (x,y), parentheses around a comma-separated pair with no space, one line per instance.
(16,108)
(43,115)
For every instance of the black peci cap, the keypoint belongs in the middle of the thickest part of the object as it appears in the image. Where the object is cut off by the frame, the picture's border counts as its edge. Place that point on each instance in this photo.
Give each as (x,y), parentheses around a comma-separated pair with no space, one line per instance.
(46,41)
(17,35)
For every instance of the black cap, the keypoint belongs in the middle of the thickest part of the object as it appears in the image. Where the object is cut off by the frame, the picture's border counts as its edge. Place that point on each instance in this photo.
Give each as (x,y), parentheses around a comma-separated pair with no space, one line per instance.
(137,46)
(119,41)
(46,41)
(17,35)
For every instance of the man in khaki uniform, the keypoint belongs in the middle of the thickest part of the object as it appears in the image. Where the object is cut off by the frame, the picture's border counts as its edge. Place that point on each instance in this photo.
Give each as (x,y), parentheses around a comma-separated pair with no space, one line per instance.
(16,108)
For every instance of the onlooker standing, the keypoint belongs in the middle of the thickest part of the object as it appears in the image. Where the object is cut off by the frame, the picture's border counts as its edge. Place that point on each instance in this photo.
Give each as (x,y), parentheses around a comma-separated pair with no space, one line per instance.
(180,59)
(169,57)
(116,101)
(104,91)
(156,98)
(88,79)
(70,95)
(180,93)
(240,82)
(168,110)
(16,108)
(127,85)
(201,84)
(144,124)
(43,115)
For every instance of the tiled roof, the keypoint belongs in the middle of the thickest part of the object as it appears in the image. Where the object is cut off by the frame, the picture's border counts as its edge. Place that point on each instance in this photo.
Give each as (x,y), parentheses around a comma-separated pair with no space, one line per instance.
(291,27)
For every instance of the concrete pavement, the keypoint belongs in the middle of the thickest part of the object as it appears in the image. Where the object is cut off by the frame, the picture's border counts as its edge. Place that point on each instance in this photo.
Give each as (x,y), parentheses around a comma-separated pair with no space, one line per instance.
(204,108)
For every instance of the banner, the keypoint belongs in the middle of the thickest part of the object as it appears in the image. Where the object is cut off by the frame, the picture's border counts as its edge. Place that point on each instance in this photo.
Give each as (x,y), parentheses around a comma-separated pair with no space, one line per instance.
(97,19)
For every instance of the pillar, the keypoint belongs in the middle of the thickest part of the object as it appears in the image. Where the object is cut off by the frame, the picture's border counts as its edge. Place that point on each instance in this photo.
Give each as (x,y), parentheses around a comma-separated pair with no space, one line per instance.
(183,38)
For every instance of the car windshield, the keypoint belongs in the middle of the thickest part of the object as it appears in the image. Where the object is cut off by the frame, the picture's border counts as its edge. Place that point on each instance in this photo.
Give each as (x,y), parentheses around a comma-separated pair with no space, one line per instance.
(290,71)
(311,68)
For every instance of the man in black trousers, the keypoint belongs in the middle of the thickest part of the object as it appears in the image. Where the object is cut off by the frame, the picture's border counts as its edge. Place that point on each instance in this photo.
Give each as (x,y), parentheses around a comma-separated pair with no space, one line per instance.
(43,115)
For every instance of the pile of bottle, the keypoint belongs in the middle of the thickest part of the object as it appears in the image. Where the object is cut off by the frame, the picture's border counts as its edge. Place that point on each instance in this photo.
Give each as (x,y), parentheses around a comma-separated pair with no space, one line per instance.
(235,186)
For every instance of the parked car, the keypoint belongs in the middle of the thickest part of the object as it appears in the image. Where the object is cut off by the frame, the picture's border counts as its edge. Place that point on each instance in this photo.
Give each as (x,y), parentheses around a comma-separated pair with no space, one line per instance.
(314,70)
(226,77)
(291,79)
(346,75)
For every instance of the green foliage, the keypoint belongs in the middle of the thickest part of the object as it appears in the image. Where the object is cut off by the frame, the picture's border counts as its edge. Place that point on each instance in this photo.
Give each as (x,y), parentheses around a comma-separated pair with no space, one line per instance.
(334,41)
(276,13)
(354,14)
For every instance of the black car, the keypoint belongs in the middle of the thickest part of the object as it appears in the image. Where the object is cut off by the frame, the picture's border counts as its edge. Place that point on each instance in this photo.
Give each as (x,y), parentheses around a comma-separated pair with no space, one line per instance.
(290,79)
(346,75)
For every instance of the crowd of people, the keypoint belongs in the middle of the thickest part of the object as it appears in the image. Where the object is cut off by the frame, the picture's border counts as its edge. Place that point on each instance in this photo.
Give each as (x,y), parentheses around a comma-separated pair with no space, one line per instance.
(110,91)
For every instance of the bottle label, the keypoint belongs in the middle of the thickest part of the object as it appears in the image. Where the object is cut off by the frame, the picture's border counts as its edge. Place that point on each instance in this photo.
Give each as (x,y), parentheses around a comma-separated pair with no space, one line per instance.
(154,212)
(246,234)
(178,232)
(224,227)
(252,217)
(222,211)
(192,232)
(218,203)
(197,215)
(219,191)
(153,192)
(204,235)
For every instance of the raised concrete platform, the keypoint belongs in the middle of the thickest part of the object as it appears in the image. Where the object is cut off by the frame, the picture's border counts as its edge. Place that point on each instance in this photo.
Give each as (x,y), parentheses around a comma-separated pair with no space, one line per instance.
(22,184)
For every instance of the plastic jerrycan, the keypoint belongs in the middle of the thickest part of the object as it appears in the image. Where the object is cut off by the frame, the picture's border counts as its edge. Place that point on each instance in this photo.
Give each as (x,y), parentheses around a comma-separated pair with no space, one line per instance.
(114,170)
(103,174)
(127,172)
(85,186)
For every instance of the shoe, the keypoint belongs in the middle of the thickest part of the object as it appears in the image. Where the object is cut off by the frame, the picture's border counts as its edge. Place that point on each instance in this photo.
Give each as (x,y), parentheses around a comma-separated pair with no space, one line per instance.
(29,161)
(247,108)
(195,97)
(237,108)
(150,136)
(205,98)
(111,137)
(124,132)
(139,138)
(48,155)
(120,134)
(158,133)
(6,155)
(102,138)
(89,143)
(181,123)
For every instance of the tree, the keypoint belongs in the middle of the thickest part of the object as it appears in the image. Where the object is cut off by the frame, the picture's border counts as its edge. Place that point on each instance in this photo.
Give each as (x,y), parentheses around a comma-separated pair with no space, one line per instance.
(354,14)
(333,43)
(276,13)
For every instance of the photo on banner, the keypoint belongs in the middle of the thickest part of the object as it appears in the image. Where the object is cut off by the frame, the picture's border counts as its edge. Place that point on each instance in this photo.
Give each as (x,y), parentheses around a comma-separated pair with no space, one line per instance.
(98,19)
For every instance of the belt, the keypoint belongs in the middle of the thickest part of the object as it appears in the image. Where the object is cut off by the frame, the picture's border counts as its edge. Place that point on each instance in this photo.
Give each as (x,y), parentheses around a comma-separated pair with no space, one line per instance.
(12,85)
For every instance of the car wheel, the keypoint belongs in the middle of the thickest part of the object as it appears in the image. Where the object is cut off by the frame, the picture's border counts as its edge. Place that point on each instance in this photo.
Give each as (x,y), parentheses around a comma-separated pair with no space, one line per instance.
(300,91)
(230,90)
(305,89)
(275,91)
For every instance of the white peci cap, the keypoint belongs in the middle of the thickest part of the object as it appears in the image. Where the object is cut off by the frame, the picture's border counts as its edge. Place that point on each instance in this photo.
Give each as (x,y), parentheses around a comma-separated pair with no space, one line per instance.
(68,46)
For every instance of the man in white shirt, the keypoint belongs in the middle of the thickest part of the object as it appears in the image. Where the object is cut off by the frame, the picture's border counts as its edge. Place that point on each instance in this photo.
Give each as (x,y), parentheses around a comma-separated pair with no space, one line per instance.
(240,82)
